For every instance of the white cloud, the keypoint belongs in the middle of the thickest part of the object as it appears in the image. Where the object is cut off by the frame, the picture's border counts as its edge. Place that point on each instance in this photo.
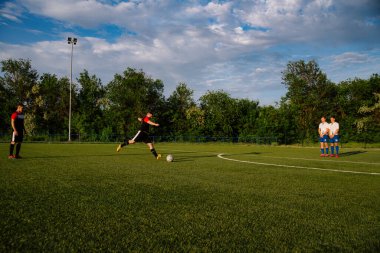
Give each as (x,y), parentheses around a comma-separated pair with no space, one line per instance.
(350,57)
(11,11)
(238,46)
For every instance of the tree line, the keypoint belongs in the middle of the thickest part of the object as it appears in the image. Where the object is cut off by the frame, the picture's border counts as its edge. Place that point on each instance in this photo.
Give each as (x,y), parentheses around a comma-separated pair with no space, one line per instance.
(108,112)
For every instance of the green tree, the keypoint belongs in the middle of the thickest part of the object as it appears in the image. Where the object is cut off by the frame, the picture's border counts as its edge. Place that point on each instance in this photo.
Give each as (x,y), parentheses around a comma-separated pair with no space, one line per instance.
(310,92)
(220,115)
(178,104)
(16,87)
(19,78)
(88,116)
(370,120)
(246,112)
(353,94)
(131,95)
(53,108)
(195,118)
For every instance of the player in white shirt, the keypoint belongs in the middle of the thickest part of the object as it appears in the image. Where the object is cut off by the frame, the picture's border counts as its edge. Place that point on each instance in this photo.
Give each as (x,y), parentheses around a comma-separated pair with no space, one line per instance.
(334,136)
(323,131)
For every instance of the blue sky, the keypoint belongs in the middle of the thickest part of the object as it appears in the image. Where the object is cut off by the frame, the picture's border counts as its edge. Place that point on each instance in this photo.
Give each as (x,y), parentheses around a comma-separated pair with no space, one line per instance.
(240,47)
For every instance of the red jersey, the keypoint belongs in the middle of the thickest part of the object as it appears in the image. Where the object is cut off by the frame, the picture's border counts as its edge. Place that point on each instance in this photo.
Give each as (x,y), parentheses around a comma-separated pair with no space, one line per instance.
(145,125)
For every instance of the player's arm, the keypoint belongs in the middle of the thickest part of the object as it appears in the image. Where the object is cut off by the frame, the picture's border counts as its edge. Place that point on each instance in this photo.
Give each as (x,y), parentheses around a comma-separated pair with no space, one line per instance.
(13,126)
(148,121)
(139,119)
(152,123)
(320,132)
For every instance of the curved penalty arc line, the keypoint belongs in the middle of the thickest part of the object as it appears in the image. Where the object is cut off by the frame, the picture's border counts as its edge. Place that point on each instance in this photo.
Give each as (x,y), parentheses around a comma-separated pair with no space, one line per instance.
(298,167)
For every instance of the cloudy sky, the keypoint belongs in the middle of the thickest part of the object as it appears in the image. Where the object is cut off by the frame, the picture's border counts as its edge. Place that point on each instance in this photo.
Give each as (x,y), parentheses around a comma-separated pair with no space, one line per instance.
(240,47)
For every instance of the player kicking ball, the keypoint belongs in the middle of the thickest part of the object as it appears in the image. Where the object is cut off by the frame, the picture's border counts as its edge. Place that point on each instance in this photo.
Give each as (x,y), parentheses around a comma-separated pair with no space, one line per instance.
(334,137)
(143,135)
(323,130)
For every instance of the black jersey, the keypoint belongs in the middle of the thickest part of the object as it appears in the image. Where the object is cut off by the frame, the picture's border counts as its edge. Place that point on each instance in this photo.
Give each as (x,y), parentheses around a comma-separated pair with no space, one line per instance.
(18,118)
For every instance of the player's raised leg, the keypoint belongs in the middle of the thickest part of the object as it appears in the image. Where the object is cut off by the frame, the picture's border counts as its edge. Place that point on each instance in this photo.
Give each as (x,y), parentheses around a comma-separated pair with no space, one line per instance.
(127,142)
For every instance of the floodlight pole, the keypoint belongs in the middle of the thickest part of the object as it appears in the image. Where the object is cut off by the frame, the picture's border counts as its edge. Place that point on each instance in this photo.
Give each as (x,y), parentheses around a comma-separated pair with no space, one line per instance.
(72,41)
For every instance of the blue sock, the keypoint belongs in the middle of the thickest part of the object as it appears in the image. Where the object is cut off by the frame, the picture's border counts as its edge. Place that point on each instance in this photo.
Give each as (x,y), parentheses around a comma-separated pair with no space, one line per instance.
(327,150)
(332,149)
(337,150)
(322,151)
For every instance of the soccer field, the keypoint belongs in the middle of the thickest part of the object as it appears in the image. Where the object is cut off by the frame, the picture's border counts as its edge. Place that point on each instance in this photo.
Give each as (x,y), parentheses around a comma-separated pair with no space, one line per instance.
(213,197)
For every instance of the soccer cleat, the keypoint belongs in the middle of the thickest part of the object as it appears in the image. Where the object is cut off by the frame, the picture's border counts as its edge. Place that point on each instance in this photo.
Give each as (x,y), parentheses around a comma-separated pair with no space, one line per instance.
(118,148)
(337,156)
(322,155)
(332,155)
(326,155)
(158,157)
(11,157)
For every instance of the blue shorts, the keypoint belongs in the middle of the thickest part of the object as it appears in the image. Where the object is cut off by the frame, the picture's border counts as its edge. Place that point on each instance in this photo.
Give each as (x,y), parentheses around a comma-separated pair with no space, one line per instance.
(323,139)
(334,139)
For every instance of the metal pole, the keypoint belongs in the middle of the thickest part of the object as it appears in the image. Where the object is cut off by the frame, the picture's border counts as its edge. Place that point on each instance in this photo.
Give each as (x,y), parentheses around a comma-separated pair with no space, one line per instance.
(71,83)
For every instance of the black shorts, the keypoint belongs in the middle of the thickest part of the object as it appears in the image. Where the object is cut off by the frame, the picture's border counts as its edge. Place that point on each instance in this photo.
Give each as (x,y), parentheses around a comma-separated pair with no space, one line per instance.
(18,138)
(142,136)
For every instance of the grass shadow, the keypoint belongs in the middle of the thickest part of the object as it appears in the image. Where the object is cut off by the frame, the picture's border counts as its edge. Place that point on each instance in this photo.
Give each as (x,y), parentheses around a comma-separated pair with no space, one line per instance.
(350,153)
(65,156)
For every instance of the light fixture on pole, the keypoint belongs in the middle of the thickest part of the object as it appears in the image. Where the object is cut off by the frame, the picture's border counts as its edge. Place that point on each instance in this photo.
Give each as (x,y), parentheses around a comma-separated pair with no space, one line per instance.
(72,41)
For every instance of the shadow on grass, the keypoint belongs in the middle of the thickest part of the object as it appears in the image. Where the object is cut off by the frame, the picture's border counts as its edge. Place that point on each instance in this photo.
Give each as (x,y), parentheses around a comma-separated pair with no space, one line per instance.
(194,157)
(352,153)
(248,153)
(65,156)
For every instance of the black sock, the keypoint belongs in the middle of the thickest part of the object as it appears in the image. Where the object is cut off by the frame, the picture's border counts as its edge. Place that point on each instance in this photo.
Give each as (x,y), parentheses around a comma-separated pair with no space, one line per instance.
(154,152)
(18,147)
(125,143)
(11,148)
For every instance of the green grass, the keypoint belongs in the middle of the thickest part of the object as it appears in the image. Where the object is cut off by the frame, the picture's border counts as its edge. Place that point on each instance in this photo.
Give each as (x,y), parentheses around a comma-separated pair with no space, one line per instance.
(88,198)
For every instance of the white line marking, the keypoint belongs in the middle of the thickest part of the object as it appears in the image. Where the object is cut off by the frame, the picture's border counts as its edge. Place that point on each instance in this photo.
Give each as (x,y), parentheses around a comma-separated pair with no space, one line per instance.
(319,160)
(332,160)
(299,167)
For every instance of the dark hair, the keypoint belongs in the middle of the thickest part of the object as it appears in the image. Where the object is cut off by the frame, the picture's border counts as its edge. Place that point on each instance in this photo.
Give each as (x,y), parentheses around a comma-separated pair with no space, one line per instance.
(20,104)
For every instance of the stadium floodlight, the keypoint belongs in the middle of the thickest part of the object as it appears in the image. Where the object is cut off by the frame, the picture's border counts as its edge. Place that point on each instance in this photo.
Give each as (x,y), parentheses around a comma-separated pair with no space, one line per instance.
(72,42)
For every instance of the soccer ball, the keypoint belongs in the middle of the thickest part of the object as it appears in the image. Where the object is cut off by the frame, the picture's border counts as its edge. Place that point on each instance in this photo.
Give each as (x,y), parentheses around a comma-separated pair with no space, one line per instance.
(169,158)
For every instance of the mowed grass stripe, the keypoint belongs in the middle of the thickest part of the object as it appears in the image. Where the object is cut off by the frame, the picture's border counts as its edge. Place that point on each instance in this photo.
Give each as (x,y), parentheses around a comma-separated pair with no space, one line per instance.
(88,198)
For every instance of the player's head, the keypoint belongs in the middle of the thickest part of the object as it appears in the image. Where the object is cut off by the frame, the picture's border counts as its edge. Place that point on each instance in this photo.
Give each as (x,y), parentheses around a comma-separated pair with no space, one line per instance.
(332,119)
(20,107)
(149,115)
(323,119)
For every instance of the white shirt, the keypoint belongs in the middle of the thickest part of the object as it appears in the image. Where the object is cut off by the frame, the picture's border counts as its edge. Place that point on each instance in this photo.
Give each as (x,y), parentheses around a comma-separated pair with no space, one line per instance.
(333,128)
(324,127)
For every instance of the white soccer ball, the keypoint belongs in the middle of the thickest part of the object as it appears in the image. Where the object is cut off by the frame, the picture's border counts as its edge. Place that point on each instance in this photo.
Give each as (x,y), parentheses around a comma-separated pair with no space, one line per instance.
(169,158)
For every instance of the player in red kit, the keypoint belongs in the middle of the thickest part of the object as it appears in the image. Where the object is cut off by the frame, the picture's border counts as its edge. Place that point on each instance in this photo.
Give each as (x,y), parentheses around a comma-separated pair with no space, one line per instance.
(143,135)
(17,122)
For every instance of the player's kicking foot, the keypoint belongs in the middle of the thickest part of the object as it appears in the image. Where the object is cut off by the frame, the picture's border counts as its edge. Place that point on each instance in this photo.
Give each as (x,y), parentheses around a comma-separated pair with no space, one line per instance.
(11,157)
(118,148)
(158,157)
